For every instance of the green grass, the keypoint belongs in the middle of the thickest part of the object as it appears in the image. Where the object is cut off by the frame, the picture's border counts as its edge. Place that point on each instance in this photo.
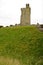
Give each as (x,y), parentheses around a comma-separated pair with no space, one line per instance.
(22,42)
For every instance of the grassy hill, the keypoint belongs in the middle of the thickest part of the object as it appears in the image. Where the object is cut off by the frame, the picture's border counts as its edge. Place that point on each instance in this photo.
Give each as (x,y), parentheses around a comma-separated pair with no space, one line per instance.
(24,43)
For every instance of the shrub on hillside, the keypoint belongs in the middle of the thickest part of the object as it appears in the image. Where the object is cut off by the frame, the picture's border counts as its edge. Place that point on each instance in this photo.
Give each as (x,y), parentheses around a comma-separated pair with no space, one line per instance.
(1,26)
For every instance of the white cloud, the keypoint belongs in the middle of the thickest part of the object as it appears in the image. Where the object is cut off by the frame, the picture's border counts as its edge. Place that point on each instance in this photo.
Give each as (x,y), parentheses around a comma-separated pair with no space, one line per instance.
(10,10)
(36,10)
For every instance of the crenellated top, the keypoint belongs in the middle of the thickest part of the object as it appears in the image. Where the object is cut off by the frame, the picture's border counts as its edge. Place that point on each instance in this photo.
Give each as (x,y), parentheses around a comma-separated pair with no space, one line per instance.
(27,5)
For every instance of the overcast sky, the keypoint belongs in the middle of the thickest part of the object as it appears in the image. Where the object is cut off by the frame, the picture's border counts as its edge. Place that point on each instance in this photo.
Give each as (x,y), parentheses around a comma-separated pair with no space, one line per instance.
(10,11)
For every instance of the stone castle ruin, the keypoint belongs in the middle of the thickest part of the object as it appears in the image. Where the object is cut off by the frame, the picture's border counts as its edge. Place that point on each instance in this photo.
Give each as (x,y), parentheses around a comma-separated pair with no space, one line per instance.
(25,15)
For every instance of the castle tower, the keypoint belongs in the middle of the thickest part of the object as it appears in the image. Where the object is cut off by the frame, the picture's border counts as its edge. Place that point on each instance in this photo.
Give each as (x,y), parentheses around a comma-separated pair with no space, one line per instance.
(25,15)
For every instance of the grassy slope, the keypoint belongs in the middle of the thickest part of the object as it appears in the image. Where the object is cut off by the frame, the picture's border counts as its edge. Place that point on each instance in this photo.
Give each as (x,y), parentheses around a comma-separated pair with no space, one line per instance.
(24,43)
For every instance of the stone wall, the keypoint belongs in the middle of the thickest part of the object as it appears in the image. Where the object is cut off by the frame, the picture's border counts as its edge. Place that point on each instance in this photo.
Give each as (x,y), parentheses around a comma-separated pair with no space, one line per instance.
(25,15)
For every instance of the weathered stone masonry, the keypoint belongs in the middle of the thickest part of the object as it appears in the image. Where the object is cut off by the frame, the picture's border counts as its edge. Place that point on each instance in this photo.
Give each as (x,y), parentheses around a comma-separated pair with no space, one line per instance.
(25,15)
